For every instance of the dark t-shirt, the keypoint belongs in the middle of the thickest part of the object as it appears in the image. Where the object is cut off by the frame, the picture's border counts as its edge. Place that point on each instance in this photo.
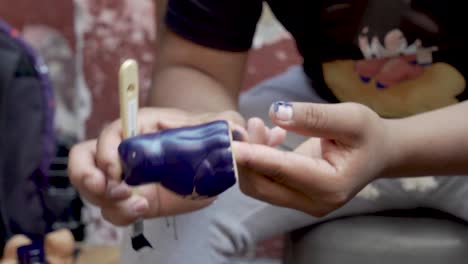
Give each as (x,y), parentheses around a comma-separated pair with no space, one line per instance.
(399,57)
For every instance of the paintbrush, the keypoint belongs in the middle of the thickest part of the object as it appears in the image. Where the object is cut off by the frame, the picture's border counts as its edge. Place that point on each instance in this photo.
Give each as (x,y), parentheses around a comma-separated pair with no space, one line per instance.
(128,95)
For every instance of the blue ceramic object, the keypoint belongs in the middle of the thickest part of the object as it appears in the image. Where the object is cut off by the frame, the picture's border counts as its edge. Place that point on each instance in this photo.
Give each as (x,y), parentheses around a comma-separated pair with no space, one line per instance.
(31,254)
(195,162)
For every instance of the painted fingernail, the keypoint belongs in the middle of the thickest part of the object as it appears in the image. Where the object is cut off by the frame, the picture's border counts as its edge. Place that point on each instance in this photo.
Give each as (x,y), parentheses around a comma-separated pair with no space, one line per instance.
(380,85)
(237,136)
(282,110)
(119,191)
(365,79)
(139,207)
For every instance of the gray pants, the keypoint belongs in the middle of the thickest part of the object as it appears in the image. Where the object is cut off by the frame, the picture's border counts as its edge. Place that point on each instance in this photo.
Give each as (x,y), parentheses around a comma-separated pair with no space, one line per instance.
(231,226)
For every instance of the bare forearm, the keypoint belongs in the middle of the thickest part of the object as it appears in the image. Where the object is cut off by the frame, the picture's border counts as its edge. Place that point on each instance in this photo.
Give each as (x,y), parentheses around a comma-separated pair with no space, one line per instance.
(188,89)
(179,83)
(196,78)
(433,143)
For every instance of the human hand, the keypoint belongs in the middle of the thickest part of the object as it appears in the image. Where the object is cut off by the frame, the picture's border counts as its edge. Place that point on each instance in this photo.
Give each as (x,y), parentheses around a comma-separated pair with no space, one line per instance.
(346,151)
(95,170)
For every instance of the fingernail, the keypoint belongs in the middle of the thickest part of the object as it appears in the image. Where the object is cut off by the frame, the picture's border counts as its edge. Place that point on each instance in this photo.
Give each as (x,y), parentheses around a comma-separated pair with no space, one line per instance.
(237,136)
(282,110)
(119,191)
(139,207)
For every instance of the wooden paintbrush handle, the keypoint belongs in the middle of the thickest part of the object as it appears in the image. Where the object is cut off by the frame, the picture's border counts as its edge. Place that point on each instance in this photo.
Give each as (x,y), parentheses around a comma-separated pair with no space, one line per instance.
(128,95)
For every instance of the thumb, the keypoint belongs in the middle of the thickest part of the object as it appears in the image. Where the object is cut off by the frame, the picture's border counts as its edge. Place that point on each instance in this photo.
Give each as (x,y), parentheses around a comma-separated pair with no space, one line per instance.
(342,121)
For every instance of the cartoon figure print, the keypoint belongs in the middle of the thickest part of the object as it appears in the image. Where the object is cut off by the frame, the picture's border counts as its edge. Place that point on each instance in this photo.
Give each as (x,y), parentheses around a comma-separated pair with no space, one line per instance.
(393,62)
(396,78)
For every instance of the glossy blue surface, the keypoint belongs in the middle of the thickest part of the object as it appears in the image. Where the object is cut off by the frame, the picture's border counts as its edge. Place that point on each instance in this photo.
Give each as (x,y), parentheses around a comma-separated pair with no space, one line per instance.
(31,254)
(195,161)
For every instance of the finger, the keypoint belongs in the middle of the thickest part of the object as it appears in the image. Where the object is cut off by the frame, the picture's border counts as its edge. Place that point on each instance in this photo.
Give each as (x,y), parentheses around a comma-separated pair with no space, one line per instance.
(83,173)
(257,131)
(284,167)
(344,121)
(88,179)
(117,191)
(276,136)
(310,148)
(164,202)
(149,201)
(125,212)
(262,188)
(267,132)
(107,155)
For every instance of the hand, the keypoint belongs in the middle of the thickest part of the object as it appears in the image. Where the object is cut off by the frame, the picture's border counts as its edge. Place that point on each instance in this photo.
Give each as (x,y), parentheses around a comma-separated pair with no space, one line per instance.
(347,151)
(95,170)
(120,204)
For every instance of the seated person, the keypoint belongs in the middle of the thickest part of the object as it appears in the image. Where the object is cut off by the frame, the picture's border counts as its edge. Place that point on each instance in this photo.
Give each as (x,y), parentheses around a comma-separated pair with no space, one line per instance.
(394,75)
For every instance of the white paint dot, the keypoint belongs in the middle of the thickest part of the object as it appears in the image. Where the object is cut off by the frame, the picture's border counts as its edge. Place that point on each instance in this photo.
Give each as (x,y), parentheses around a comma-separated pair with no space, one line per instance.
(419,184)
(369,192)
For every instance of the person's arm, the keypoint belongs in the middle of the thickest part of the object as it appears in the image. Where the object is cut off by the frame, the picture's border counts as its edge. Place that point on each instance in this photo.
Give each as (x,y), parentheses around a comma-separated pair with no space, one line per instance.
(432,143)
(193,83)
(349,147)
(193,77)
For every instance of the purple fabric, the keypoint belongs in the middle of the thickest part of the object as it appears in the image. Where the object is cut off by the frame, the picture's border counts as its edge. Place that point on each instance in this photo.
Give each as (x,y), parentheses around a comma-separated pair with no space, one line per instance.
(49,104)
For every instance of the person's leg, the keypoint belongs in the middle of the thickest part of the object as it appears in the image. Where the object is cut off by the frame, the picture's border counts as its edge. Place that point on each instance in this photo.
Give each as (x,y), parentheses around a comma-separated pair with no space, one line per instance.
(232,226)
(234,223)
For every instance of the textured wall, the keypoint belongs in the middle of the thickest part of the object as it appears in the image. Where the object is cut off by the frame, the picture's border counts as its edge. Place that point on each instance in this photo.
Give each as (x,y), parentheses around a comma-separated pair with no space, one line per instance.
(97,35)
(112,31)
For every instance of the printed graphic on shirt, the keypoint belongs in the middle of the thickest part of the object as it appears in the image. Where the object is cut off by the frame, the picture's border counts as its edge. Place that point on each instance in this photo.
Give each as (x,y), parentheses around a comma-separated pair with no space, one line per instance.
(398,76)
(393,62)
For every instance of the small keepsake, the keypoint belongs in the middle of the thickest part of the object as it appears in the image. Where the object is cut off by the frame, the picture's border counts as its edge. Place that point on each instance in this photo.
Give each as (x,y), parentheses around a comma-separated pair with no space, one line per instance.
(195,162)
